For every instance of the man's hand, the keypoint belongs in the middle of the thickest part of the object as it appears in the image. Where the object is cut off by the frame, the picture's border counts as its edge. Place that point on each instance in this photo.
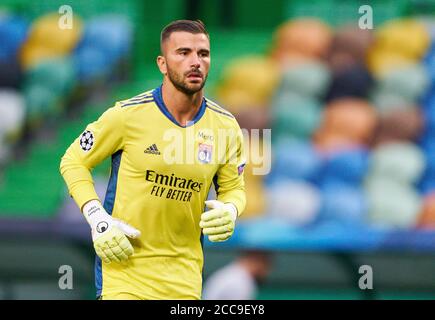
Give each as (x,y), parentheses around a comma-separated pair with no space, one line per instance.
(219,222)
(109,234)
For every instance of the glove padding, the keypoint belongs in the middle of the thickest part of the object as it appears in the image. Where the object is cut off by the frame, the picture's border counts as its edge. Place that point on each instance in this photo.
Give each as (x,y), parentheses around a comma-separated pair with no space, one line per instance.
(112,245)
(219,222)
(109,235)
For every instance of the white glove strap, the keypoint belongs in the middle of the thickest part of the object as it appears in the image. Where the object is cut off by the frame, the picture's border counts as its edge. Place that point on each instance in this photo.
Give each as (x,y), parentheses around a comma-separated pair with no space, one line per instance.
(95,213)
(232,209)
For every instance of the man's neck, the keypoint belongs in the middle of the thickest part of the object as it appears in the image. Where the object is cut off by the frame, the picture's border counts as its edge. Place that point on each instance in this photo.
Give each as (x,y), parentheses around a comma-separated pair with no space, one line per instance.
(182,107)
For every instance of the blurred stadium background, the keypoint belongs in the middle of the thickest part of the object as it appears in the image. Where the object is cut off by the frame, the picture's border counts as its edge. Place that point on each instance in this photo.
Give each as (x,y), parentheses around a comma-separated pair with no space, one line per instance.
(352,114)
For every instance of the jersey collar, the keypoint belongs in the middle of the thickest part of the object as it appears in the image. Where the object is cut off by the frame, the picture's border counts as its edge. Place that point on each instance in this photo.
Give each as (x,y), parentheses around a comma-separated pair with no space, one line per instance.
(157,94)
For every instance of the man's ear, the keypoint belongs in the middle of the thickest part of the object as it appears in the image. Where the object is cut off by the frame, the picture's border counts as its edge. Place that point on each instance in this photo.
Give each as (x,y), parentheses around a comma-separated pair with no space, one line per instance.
(161,63)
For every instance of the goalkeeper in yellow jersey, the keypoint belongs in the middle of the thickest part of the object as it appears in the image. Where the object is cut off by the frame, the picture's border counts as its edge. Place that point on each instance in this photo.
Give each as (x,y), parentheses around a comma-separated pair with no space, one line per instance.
(168,146)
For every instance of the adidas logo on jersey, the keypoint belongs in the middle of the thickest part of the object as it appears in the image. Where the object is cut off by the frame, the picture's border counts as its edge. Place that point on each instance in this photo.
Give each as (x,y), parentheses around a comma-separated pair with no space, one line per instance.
(152,149)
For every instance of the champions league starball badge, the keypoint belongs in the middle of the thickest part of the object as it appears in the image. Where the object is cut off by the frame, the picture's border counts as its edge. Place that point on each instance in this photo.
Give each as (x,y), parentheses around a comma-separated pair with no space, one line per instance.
(87,140)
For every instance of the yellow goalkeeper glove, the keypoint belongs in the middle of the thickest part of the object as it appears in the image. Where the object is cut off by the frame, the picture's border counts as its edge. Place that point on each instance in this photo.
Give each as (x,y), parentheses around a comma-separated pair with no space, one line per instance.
(219,222)
(109,234)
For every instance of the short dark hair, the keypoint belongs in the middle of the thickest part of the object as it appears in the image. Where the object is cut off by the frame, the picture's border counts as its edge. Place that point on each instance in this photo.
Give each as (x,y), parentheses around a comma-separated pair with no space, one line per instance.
(191,26)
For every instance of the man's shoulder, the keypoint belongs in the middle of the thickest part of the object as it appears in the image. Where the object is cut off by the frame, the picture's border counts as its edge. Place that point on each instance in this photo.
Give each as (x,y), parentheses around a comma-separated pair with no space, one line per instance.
(137,100)
(218,110)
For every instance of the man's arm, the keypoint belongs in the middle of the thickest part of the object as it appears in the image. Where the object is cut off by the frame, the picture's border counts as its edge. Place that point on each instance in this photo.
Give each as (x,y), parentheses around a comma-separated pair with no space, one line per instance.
(100,139)
(229,180)
(219,222)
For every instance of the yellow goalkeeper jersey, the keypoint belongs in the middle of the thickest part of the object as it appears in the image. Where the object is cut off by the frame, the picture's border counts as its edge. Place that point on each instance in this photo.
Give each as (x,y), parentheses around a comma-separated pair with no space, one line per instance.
(160,177)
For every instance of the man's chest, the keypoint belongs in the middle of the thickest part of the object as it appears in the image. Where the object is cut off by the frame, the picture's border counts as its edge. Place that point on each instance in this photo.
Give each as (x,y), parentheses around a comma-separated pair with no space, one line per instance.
(175,154)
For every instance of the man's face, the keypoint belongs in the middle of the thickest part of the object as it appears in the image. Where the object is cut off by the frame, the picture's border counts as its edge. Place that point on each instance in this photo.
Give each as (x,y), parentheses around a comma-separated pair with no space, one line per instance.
(187,60)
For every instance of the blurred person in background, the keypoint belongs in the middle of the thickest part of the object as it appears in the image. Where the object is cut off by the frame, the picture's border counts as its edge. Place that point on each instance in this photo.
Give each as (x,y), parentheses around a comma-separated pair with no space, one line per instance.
(163,259)
(240,279)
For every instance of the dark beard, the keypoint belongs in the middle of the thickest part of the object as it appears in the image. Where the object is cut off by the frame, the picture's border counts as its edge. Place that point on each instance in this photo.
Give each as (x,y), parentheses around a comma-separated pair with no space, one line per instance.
(178,83)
